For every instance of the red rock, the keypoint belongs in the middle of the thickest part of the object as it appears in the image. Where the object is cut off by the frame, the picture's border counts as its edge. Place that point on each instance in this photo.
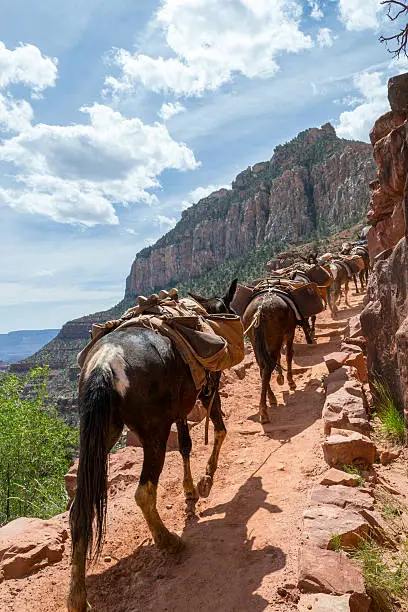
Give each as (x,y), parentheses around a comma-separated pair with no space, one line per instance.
(28,544)
(354,327)
(386,123)
(398,92)
(336,380)
(321,602)
(345,409)
(350,348)
(334,361)
(323,523)
(124,468)
(338,477)
(342,496)
(326,571)
(344,449)
(239,370)
(388,456)
(359,362)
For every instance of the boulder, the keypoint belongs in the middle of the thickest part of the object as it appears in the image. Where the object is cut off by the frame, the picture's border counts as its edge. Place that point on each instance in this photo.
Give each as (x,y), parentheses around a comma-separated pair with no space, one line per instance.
(124,468)
(28,544)
(326,571)
(398,92)
(320,602)
(354,327)
(350,348)
(336,380)
(335,360)
(343,449)
(345,409)
(387,456)
(342,496)
(359,362)
(338,477)
(324,523)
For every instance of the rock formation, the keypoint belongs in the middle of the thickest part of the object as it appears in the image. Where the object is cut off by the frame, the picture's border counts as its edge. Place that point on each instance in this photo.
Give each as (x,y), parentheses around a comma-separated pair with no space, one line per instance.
(385,317)
(315,183)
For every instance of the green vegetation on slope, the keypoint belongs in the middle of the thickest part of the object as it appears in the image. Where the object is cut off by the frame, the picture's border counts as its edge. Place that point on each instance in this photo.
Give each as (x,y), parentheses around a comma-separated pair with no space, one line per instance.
(36,449)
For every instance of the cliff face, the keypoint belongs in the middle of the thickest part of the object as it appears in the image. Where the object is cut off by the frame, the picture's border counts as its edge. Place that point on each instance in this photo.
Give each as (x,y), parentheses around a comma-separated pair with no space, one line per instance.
(315,183)
(385,317)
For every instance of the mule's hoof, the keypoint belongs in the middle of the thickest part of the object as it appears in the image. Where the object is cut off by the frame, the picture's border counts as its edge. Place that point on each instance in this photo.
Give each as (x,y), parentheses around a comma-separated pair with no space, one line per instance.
(273,401)
(191,506)
(292,386)
(280,380)
(171,543)
(263,418)
(205,485)
(78,604)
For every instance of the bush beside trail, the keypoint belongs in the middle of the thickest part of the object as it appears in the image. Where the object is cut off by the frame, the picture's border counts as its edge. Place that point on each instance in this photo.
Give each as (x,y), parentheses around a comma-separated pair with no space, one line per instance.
(36,449)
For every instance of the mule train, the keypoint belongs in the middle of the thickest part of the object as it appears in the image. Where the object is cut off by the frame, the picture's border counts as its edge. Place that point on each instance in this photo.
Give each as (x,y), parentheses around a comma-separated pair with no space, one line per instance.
(131,375)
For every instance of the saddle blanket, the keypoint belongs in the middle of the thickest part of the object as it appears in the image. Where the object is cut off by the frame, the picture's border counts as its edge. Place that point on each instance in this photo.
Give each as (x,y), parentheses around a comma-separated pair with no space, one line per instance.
(206,342)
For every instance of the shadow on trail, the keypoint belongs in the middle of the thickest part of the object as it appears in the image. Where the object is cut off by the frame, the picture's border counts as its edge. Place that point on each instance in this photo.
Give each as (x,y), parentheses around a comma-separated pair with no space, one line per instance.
(220,568)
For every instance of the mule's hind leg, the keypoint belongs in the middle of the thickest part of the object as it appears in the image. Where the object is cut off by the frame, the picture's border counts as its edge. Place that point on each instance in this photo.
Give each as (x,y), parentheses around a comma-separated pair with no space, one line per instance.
(346,290)
(289,359)
(355,282)
(185,445)
(154,447)
(266,377)
(206,482)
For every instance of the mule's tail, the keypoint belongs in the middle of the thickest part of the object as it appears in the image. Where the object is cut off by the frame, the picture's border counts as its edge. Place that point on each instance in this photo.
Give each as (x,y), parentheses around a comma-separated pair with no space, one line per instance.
(262,351)
(91,493)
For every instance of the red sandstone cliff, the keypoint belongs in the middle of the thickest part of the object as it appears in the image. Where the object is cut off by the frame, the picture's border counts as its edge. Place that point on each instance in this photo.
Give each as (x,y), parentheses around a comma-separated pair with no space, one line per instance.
(385,317)
(316,182)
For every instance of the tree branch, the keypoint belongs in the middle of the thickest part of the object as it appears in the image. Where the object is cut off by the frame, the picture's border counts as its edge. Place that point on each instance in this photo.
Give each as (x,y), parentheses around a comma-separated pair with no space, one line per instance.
(401,38)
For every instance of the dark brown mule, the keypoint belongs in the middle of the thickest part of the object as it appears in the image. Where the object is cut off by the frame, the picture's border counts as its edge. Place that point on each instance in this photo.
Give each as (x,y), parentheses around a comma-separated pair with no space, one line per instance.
(135,377)
(271,323)
(323,278)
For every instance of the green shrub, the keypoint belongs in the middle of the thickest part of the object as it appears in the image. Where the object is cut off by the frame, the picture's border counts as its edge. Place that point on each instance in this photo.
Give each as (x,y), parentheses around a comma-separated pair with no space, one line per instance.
(390,417)
(36,449)
(385,578)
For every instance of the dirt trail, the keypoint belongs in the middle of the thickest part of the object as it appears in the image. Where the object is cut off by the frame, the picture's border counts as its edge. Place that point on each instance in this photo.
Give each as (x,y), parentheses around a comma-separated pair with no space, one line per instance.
(244,544)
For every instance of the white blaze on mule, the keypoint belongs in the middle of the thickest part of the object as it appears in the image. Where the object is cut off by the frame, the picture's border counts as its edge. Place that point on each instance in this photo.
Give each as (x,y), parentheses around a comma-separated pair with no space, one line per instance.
(110,357)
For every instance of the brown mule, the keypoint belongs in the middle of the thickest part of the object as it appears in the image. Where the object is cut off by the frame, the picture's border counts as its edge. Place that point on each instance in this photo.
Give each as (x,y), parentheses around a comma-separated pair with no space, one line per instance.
(136,377)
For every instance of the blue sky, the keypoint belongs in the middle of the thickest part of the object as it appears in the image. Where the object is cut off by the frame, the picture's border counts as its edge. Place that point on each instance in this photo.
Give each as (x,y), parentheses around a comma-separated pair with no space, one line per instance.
(116,116)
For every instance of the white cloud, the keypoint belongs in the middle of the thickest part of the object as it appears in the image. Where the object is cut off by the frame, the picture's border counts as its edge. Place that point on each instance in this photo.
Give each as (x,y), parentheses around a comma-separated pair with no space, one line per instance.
(170,109)
(166,223)
(316,12)
(356,124)
(212,41)
(15,115)
(360,14)
(325,37)
(76,173)
(199,193)
(28,66)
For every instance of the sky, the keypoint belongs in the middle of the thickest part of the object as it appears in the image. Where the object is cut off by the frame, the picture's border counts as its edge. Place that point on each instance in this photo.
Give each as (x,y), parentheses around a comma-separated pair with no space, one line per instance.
(116,116)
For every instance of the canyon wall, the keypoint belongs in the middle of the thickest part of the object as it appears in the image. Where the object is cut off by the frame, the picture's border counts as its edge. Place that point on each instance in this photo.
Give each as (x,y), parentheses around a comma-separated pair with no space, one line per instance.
(316,183)
(385,317)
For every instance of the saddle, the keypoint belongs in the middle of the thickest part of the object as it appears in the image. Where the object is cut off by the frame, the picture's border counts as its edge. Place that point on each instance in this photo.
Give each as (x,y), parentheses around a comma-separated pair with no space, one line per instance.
(302,297)
(206,342)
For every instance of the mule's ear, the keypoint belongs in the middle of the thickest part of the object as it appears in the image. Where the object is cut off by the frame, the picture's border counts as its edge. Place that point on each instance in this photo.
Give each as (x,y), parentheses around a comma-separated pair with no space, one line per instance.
(229,296)
(198,298)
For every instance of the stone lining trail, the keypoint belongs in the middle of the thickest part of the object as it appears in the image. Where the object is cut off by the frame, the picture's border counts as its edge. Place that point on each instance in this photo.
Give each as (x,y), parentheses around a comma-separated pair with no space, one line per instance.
(242,552)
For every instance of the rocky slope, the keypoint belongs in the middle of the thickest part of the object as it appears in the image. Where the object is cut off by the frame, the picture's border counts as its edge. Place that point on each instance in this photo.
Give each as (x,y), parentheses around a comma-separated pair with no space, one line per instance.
(385,317)
(315,184)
